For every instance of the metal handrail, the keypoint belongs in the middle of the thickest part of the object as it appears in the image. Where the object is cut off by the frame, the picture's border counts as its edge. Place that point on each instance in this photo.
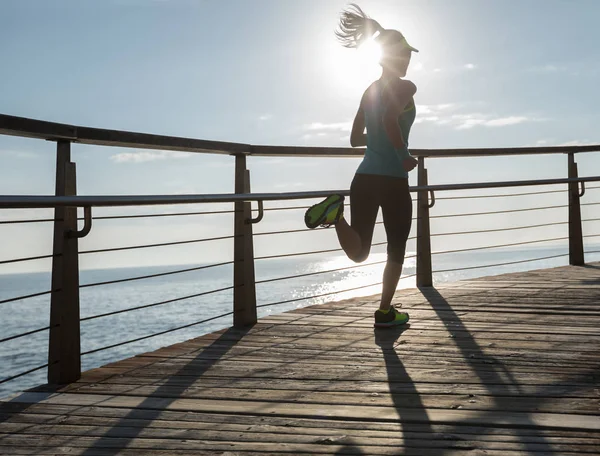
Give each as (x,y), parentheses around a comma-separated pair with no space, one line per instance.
(32,128)
(14,202)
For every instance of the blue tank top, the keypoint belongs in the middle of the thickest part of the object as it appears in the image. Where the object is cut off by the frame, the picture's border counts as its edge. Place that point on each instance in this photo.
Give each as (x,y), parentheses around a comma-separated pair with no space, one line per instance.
(381,157)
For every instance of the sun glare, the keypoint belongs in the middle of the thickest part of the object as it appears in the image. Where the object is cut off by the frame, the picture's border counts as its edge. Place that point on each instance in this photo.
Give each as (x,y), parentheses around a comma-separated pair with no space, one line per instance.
(369,53)
(355,69)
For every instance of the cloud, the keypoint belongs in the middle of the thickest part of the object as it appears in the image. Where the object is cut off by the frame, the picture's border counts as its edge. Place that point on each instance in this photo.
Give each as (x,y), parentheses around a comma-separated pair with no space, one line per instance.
(336,126)
(144,156)
(18,154)
(549,68)
(446,114)
(265,117)
(553,142)
(470,66)
(466,121)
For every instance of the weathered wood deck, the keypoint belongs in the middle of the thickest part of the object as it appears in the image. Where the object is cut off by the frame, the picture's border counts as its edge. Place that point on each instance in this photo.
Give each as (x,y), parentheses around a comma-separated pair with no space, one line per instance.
(506,365)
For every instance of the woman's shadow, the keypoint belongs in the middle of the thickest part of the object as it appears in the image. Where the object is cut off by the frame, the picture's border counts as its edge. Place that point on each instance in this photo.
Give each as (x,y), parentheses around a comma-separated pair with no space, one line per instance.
(415,427)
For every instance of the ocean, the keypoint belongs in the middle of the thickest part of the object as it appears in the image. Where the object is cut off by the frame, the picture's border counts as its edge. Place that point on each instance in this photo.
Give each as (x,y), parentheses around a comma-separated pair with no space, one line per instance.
(24,353)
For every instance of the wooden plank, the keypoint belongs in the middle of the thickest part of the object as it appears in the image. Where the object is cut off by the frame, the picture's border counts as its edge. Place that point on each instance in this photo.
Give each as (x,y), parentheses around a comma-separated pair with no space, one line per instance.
(491,418)
(510,400)
(195,420)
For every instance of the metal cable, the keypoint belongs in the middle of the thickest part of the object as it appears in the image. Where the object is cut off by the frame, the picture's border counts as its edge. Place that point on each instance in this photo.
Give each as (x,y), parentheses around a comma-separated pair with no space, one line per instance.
(156,334)
(500,229)
(330,293)
(284,255)
(110,217)
(18,260)
(325,272)
(591,220)
(283,232)
(8,379)
(318,272)
(154,275)
(502,264)
(500,196)
(25,334)
(132,247)
(591,235)
(26,296)
(284,208)
(500,212)
(590,204)
(5,222)
(93,317)
(500,245)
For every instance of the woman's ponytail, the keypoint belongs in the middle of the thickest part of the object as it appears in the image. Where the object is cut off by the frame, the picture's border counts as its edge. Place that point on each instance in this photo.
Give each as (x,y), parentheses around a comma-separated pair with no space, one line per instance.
(356,27)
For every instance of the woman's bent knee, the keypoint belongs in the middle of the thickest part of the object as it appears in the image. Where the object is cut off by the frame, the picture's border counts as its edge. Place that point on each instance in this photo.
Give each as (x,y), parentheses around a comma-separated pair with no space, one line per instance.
(359,257)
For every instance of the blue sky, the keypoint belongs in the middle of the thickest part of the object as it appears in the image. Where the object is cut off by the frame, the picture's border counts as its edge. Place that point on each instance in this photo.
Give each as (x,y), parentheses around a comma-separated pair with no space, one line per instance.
(489,74)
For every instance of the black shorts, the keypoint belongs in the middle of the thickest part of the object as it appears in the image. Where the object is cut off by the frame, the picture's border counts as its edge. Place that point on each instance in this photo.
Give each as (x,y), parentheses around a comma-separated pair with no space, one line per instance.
(368,192)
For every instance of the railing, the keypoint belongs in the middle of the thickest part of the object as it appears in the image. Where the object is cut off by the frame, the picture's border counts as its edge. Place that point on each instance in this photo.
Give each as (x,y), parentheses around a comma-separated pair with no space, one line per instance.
(64,354)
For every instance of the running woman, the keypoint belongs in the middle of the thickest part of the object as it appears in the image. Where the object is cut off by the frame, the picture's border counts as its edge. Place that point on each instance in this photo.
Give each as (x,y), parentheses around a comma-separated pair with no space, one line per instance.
(387,111)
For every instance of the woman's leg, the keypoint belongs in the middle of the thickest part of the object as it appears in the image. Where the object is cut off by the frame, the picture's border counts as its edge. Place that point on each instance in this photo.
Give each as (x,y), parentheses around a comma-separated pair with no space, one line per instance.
(397,217)
(391,277)
(349,238)
(356,238)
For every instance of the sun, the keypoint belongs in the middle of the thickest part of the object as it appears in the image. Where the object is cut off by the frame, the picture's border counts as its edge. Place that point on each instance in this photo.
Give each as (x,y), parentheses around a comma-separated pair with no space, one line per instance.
(369,53)
(354,69)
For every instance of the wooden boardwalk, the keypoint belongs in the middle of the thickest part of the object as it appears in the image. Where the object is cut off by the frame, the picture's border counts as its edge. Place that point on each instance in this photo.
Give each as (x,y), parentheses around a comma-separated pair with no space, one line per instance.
(505,365)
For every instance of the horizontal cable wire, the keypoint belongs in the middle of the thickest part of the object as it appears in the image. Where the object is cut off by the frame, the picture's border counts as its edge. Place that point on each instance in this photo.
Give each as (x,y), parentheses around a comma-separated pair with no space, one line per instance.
(500,195)
(591,235)
(6,222)
(287,208)
(284,255)
(318,272)
(18,260)
(93,317)
(328,294)
(27,296)
(500,245)
(129,279)
(112,217)
(156,334)
(283,232)
(132,247)
(326,272)
(175,214)
(500,229)
(502,264)
(8,379)
(590,204)
(590,220)
(500,212)
(26,334)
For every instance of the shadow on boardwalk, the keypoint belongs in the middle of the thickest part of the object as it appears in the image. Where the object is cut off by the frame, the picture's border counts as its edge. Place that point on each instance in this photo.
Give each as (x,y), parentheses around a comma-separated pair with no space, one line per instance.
(172,389)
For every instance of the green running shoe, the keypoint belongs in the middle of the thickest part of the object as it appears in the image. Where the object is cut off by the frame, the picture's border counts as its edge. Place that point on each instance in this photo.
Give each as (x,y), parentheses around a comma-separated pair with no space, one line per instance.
(392,318)
(325,213)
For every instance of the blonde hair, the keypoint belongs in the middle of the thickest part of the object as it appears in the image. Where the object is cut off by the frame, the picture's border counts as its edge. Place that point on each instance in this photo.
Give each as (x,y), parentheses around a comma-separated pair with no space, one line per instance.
(356,27)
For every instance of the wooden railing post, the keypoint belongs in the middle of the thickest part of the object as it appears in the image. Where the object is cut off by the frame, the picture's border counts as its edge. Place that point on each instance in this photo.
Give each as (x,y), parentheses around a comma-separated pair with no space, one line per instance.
(244,293)
(424,275)
(64,358)
(576,256)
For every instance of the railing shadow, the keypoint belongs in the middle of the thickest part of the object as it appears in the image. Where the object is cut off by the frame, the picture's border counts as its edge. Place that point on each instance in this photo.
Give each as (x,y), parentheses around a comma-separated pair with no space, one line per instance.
(411,410)
(489,370)
(171,390)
